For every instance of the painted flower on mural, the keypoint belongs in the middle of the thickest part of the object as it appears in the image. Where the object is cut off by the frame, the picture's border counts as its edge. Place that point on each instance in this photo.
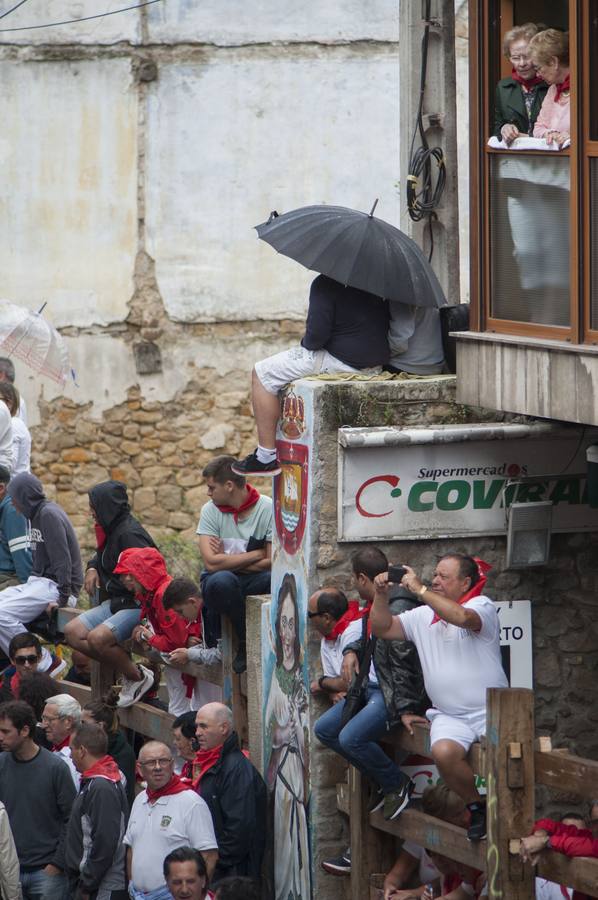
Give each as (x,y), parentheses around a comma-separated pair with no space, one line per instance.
(287,771)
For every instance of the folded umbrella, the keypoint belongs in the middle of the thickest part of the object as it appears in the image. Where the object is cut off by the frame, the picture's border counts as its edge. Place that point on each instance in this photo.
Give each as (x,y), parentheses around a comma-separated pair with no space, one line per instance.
(355,249)
(31,338)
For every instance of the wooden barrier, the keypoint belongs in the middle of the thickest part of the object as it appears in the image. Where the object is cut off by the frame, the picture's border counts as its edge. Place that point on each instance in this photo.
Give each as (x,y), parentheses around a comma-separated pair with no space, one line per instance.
(512,766)
(156,723)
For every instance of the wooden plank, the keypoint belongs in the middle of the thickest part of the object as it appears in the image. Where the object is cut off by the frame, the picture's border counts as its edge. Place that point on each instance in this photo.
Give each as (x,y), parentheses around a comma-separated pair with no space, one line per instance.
(433,834)
(581,873)
(342,797)
(567,773)
(373,852)
(419,743)
(146,720)
(510,786)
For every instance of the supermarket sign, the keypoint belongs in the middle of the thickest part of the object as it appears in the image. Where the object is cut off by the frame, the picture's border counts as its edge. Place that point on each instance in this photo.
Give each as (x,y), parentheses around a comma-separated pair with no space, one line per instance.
(458,481)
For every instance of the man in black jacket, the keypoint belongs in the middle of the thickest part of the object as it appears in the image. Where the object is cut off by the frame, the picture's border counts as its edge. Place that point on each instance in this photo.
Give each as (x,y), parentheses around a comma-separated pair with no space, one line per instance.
(394,688)
(346,331)
(234,791)
(56,573)
(98,632)
(94,849)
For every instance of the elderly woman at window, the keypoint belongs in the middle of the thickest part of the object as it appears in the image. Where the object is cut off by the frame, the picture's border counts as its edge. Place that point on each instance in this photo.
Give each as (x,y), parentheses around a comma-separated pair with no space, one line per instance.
(518,97)
(550,54)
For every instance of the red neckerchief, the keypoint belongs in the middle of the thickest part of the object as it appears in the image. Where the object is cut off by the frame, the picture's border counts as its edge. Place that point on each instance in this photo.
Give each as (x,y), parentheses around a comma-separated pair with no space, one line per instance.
(103,768)
(561,88)
(189,682)
(62,744)
(205,759)
(15,685)
(100,536)
(353,613)
(187,770)
(527,83)
(249,501)
(475,591)
(174,786)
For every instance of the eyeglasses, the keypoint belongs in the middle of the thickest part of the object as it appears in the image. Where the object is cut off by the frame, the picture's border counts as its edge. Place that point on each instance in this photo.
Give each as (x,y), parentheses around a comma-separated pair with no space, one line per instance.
(152,763)
(519,58)
(47,719)
(30,659)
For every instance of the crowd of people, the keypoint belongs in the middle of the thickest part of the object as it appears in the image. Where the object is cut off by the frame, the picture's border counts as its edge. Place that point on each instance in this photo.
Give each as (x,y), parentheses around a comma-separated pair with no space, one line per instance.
(178,819)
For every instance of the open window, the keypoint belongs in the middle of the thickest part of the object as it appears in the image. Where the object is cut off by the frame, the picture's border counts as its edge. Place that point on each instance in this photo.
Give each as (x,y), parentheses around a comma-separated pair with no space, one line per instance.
(534,211)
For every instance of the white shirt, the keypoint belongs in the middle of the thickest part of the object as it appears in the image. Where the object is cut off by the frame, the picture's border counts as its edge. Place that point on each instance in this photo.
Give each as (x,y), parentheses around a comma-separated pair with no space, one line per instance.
(22,411)
(458,664)
(6,451)
(331,652)
(21,446)
(177,820)
(549,890)
(427,871)
(65,754)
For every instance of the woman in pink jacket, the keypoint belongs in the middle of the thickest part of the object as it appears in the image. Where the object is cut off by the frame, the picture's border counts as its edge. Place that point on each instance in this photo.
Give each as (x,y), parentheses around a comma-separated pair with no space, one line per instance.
(549,51)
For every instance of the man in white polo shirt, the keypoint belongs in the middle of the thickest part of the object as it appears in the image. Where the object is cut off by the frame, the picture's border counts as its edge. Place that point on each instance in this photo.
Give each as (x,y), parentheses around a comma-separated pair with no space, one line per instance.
(456,635)
(167,815)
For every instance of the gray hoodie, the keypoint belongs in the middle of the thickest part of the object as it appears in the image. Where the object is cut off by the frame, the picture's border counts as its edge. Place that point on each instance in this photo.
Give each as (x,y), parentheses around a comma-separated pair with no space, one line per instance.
(53,542)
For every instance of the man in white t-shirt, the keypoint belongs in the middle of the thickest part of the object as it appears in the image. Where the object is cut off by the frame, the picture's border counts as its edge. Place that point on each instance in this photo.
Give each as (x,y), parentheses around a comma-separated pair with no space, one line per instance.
(167,815)
(456,634)
(235,542)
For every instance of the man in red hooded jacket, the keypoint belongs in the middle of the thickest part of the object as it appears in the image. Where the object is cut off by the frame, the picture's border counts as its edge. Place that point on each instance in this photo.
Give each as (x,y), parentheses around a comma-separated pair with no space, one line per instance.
(143,571)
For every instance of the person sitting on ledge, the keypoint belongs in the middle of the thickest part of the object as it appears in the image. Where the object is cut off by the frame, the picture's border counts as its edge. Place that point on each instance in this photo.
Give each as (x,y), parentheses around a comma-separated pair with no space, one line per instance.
(346,331)
(456,634)
(235,542)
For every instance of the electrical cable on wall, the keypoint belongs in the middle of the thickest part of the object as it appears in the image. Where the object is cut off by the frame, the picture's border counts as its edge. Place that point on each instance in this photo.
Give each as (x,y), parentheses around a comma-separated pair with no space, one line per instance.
(423,201)
(113,12)
(12,9)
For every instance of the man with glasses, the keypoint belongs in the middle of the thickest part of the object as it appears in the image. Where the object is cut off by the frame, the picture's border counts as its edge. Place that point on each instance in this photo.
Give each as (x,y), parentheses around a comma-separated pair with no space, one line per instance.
(167,815)
(61,716)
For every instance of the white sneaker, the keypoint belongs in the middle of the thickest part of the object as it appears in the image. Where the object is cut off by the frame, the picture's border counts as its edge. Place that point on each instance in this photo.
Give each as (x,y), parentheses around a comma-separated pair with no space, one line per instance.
(132,691)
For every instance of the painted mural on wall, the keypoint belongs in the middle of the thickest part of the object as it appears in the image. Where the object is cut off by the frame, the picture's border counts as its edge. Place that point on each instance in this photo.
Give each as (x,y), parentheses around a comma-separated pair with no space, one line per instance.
(285,688)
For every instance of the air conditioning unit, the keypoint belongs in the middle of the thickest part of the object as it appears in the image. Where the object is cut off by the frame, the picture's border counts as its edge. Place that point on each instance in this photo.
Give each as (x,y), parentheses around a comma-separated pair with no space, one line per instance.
(528,534)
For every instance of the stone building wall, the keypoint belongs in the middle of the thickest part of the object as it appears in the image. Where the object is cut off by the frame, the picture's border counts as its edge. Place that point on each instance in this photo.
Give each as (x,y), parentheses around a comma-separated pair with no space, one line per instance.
(564,593)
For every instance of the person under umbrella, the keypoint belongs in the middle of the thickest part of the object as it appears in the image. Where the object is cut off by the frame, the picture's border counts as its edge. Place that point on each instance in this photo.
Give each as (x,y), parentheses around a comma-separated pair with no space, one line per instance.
(345,331)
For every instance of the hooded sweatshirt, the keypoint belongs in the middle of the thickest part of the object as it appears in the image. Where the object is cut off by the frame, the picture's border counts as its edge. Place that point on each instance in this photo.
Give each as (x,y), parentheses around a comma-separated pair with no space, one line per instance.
(147,565)
(110,503)
(15,555)
(54,545)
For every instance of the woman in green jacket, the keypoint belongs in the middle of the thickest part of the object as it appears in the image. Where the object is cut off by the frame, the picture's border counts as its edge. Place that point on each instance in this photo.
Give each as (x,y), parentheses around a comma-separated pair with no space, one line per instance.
(518,97)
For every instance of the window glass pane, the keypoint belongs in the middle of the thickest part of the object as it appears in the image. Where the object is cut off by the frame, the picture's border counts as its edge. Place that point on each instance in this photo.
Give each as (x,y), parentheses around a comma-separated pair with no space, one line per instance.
(529,238)
(554,14)
(594,243)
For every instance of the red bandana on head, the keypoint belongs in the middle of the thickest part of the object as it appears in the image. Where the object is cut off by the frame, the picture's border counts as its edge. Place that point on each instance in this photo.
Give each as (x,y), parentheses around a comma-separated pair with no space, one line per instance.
(561,88)
(353,613)
(475,591)
(527,83)
(250,500)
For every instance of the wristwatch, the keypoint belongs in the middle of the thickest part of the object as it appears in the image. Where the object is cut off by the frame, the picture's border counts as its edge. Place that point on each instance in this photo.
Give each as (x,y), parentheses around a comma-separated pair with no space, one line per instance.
(320,680)
(422,590)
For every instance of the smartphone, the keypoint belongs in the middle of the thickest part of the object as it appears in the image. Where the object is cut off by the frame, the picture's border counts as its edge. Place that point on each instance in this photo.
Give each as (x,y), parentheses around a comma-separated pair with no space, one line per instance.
(165,657)
(395,573)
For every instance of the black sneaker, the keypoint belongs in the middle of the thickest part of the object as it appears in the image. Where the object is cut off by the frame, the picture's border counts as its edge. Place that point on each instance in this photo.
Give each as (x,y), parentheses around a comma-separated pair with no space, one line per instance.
(239,663)
(251,466)
(477,824)
(338,865)
(376,798)
(396,801)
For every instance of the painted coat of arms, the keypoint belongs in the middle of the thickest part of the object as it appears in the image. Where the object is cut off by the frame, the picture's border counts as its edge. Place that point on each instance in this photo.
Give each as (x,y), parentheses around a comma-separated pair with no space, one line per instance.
(290,495)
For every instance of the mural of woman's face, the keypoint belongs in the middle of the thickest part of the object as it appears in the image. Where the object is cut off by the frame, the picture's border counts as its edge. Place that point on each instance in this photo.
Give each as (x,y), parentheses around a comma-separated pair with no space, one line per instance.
(288,628)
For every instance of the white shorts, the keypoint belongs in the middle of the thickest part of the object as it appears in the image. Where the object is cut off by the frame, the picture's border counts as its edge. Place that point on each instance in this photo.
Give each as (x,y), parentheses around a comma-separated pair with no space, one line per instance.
(297,362)
(464,730)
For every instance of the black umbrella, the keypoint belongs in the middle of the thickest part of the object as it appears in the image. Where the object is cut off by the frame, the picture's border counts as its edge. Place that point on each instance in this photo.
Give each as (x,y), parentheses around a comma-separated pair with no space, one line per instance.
(356,249)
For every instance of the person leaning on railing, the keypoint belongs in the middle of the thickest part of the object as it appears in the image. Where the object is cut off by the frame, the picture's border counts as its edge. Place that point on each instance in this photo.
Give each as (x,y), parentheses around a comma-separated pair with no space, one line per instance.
(518,97)
(549,52)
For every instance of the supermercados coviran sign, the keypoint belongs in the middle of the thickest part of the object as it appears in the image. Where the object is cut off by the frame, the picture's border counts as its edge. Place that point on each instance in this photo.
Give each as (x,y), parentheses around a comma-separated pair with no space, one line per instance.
(456,481)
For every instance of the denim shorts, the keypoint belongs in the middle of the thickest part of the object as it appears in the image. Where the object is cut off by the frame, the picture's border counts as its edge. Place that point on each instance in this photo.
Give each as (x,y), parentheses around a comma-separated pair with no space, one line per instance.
(121,623)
